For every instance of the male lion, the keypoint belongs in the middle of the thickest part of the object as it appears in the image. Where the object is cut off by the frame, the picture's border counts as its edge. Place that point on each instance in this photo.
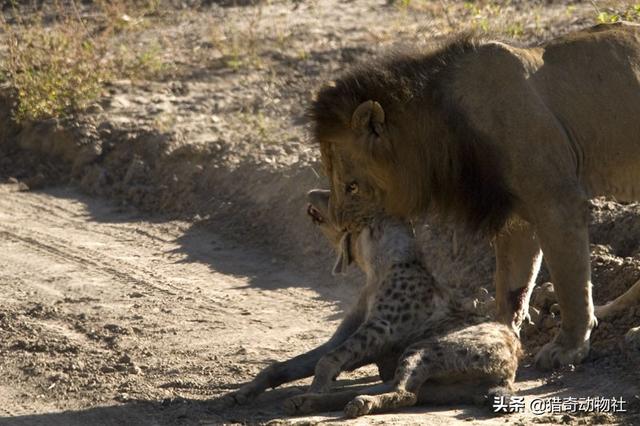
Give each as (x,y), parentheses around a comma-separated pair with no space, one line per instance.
(510,141)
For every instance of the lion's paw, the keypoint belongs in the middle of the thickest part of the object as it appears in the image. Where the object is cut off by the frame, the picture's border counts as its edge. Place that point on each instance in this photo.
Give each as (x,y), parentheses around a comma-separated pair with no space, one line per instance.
(632,338)
(553,355)
(299,404)
(359,406)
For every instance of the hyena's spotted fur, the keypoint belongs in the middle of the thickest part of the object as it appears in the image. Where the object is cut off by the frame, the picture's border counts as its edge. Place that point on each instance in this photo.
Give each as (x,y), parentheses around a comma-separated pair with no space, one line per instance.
(404,321)
(439,344)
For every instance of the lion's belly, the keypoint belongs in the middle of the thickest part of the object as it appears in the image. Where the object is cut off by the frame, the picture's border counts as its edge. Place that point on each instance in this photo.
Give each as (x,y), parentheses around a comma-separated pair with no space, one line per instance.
(610,162)
(592,86)
(622,184)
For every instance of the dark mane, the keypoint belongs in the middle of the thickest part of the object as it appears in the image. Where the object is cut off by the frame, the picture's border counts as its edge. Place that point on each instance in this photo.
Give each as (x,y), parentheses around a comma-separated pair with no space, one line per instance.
(440,163)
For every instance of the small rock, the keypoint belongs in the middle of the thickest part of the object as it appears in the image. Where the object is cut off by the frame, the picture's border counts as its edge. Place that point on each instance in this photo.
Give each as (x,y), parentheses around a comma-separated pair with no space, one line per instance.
(115,328)
(94,109)
(134,369)
(543,296)
(534,315)
(548,322)
(470,305)
(482,293)
(123,397)
(125,359)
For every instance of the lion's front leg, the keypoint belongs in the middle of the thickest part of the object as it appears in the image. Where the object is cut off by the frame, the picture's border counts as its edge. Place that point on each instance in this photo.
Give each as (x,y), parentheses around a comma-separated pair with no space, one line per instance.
(564,239)
(518,259)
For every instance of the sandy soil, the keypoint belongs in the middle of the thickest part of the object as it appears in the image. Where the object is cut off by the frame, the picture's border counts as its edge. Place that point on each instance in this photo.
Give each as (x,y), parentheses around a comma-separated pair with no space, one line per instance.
(154,252)
(110,316)
(103,305)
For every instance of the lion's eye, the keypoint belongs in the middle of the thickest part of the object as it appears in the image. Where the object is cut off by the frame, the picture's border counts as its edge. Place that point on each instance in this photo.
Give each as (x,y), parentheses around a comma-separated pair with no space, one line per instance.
(352,188)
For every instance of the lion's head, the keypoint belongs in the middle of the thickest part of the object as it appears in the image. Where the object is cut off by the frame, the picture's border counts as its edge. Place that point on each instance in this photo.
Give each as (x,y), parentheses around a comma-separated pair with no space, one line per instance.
(390,138)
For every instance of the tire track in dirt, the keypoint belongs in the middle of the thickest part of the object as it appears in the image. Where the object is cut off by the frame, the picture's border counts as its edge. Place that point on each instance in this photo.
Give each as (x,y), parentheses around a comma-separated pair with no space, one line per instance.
(111,316)
(110,260)
(147,308)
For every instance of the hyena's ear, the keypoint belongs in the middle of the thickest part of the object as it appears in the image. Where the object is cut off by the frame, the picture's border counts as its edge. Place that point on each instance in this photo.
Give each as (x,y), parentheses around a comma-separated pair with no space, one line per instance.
(368,119)
(344,257)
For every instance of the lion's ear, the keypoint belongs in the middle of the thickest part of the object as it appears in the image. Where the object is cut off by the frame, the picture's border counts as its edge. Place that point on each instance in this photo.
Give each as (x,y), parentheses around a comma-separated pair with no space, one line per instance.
(368,117)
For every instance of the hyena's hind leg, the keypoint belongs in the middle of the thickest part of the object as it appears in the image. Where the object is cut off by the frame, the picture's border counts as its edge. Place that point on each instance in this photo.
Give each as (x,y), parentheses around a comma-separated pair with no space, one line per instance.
(410,375)
(330,401)
(625,302)
(483,359)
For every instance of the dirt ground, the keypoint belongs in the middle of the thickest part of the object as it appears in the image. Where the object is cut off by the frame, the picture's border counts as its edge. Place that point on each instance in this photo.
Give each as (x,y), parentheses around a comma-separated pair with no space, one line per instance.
(111,316)
(155,254)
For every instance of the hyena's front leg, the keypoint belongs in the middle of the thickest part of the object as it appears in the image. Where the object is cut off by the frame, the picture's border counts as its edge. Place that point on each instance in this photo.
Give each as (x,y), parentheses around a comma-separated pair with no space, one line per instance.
(366,343)
(302,365)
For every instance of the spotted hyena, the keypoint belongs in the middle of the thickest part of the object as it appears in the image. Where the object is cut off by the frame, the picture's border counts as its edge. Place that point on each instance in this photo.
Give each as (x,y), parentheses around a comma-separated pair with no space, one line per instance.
(443,352)
(428,349)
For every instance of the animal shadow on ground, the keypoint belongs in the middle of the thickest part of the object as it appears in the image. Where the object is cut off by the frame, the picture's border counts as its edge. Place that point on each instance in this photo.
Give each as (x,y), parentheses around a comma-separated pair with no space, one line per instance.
(202,243)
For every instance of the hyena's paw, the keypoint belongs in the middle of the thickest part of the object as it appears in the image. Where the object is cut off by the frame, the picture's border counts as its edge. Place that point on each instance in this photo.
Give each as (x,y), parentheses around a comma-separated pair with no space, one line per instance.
(359,406)
(242,396)
(553,355)
(302,404)
(632,338)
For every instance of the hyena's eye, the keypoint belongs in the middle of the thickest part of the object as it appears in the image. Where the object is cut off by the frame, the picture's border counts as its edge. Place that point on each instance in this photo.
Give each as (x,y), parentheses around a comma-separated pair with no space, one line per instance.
(352,188)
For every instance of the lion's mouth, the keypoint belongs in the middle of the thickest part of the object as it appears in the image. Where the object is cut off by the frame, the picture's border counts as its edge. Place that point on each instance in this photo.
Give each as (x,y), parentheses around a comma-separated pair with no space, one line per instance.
(315,214)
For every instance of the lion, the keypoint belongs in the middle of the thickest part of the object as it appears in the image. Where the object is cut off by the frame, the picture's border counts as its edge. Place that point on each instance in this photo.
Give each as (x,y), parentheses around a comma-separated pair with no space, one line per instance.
(508,141)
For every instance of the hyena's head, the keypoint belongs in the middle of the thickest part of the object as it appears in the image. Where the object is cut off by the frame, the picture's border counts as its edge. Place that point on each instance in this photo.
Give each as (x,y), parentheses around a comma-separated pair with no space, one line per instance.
(373,241)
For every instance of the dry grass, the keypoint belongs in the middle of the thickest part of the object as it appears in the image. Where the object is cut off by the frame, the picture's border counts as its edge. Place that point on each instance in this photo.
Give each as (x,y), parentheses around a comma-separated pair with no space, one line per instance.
(515,19)
(57,62)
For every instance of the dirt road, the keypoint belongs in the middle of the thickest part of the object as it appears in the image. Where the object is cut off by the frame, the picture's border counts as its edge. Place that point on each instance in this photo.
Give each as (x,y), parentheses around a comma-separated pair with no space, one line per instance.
(101,305)
(109,316)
